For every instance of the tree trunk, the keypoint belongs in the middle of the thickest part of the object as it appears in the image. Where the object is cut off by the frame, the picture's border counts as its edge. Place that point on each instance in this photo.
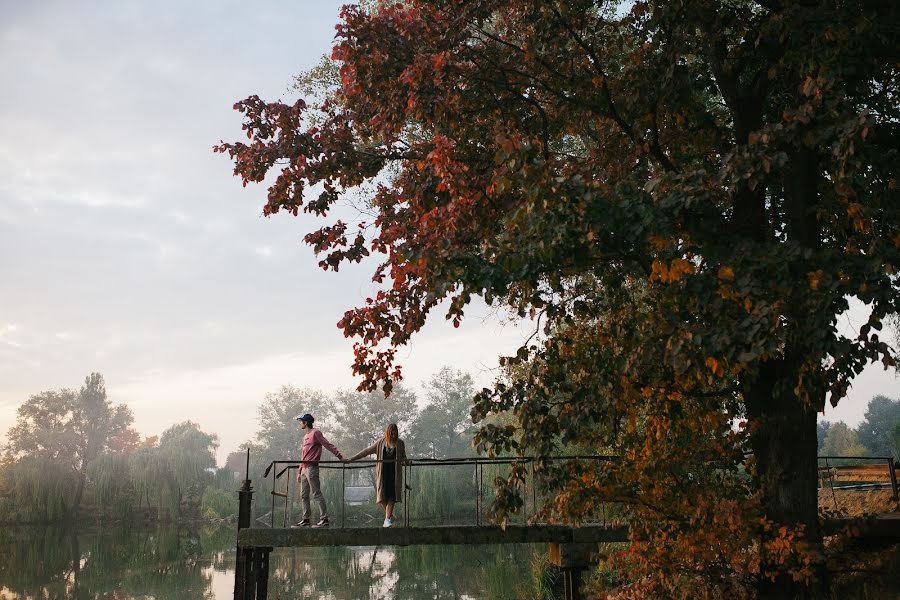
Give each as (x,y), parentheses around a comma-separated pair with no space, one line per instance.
(76,502)
(783,438)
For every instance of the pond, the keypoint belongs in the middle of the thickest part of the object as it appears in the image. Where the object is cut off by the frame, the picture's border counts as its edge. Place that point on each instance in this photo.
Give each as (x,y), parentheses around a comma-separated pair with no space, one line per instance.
(126,563)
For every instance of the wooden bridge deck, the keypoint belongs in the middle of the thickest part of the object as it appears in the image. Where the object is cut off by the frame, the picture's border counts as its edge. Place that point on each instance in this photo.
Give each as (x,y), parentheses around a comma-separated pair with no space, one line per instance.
(883,526)
(258,537)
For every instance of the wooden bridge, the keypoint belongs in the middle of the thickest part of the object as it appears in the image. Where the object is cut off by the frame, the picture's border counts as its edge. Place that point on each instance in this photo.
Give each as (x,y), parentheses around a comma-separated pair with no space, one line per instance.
(570,547)
(262,537)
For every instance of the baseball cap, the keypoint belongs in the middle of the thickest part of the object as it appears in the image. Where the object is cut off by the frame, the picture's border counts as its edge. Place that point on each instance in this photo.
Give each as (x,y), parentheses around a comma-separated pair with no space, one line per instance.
(305,417)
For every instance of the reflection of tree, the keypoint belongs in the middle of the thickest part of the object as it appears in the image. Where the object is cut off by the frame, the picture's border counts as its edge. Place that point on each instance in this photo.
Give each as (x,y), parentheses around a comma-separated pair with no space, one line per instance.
(37,562)
(43,563)
(52,562)
(411,573)
(165,563)
(341,572)
(489,572)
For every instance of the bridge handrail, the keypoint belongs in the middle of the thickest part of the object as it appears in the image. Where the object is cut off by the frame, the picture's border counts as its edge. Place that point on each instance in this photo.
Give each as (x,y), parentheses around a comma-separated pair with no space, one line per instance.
(466,460)
(477,461)
(881,458)
(828,471)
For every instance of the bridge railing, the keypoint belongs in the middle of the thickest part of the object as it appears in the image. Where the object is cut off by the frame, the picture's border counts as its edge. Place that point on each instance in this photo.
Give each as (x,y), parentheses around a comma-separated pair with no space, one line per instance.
(832,469)
(411,468)
(858,472)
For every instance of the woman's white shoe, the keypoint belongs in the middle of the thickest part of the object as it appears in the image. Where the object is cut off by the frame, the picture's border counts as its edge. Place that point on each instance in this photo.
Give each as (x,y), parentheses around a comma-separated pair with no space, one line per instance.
(387,523)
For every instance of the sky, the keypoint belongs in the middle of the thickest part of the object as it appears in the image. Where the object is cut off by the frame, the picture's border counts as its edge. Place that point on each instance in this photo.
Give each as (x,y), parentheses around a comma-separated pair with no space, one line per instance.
(128,248)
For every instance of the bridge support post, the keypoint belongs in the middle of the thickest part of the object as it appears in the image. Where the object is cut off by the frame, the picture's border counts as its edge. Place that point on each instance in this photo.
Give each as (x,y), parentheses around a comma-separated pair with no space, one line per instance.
(261,571)
(572,559)
(244,576)
(249,561)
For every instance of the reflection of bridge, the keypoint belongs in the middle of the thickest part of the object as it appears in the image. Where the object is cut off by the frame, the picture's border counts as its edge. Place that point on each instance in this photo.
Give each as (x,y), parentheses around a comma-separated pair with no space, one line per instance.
(570,547)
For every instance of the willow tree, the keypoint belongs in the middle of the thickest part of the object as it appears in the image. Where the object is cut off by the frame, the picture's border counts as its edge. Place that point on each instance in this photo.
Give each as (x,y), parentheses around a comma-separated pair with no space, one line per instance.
(443,428)
(69,429)
(185,453)
(687,193)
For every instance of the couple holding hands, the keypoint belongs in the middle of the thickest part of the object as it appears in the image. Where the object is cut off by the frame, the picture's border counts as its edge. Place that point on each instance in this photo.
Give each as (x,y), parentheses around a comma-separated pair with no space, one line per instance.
(389,452)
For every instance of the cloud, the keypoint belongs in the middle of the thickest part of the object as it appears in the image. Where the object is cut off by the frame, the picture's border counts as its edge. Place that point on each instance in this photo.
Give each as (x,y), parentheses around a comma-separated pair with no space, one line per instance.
(6,332)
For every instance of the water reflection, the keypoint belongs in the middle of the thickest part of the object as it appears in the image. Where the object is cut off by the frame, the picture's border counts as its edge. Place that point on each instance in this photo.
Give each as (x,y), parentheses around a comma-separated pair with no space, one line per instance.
(50,562)
(46,563)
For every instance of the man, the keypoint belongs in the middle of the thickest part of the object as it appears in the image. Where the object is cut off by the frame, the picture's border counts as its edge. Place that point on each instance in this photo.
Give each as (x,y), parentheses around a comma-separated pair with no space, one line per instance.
(308,473)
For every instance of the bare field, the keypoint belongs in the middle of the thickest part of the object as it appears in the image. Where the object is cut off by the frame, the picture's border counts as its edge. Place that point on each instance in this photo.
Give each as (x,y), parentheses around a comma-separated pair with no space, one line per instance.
(856,503)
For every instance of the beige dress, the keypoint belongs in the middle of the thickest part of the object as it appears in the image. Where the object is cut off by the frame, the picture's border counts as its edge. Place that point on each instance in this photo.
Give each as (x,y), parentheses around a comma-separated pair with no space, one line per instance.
(378,450)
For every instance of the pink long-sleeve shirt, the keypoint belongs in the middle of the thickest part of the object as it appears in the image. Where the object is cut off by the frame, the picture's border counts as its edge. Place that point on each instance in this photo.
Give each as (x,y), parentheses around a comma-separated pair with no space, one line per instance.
(311,451)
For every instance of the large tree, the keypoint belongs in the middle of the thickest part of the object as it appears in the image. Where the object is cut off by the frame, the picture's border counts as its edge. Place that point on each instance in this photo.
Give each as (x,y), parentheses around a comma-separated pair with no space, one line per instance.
(361,418)
(443,428)
(69,428)
(842,441)
(874,431)
(895,440)
(686,193)
(822,428)
(279,432)
(185,454)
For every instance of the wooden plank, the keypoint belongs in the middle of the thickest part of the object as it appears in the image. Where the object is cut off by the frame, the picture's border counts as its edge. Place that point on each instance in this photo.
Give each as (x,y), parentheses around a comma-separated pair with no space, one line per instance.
(410,536)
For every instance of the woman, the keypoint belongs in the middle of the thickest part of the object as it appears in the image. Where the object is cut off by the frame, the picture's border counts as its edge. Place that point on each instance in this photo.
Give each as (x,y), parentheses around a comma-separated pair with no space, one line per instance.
(390,453)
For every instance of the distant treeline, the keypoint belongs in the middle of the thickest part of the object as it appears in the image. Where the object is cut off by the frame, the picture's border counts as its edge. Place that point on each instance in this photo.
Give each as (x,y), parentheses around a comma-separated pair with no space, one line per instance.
(73,454)
(877,435)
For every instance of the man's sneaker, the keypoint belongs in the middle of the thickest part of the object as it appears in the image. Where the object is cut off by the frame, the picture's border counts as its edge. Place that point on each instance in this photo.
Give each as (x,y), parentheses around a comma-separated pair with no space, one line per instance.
(387,522)
(301,523)
(323,522)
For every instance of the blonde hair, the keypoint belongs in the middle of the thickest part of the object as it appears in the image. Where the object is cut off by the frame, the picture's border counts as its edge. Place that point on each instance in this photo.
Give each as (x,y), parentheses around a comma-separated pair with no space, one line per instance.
(391,434)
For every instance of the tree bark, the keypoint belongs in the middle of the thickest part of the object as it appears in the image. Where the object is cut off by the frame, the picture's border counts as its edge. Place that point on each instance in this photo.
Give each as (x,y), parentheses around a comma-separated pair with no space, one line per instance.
(76,502)
(783,438)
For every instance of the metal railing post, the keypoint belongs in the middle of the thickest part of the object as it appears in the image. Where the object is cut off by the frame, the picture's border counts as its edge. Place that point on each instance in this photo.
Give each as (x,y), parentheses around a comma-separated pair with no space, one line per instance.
(285,519)
(343,491)
(406,487)
(477,499)
(831,480)
(893,469)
